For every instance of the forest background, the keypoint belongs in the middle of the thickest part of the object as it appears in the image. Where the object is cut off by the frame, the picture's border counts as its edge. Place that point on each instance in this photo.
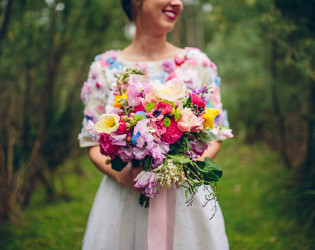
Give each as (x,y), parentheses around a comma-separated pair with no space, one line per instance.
(265,51)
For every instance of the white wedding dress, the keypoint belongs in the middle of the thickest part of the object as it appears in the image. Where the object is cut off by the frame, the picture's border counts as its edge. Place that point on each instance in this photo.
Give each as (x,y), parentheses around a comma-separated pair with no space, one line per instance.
(117,221)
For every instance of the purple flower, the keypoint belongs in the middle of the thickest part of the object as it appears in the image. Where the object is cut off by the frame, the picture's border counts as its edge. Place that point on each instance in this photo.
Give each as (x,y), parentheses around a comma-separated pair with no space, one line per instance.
(168,66)
(118,139)
(158,151)
(125,153)
(140,153)
(147,180)
(145,133)
(198,146)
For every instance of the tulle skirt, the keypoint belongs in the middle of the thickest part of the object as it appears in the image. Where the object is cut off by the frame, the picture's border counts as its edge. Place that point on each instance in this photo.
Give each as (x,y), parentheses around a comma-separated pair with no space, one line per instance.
(118,222)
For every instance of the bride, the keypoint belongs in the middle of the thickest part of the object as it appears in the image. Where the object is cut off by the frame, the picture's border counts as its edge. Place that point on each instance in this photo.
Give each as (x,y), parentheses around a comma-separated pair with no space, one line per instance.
(117,221)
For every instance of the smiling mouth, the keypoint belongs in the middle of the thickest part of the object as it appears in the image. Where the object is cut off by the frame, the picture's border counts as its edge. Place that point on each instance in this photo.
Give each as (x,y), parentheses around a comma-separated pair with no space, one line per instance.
(170,14)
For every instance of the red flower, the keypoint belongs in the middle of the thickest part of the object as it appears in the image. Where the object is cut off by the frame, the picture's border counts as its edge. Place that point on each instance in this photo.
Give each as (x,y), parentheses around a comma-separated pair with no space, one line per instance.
(122,128)
(106,147)
(179,60)
(172,134)
(196,99)
(159,110)
(164,107)
(139,108)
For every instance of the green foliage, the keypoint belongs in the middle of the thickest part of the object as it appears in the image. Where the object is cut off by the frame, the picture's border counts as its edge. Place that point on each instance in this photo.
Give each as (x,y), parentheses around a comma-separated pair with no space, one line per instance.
(209,170)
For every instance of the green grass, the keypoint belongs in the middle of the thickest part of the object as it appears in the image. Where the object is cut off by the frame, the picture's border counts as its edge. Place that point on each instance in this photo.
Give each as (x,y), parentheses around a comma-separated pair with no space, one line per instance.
(254,197)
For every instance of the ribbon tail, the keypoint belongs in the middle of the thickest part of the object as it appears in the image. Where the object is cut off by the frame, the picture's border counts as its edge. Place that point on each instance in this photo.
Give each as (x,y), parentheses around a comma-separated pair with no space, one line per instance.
(161,220)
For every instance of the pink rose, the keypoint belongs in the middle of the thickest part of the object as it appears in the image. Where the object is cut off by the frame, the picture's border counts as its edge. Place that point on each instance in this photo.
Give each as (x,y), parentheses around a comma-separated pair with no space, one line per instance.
(196,99)
(189,122)
(172,134)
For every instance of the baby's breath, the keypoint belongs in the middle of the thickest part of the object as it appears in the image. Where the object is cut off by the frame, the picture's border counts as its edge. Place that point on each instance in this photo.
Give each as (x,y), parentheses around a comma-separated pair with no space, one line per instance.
(170,172)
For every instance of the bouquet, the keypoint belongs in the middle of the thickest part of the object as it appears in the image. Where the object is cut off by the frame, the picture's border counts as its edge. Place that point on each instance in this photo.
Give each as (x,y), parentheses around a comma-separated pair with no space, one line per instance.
(167,128)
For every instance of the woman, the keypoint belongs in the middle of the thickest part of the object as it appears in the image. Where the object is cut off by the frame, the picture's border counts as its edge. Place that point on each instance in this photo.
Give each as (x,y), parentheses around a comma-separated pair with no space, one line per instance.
(116,220)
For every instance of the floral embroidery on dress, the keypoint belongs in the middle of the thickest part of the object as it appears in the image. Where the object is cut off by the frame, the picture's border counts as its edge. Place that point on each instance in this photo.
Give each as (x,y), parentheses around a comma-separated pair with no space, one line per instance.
(192,67)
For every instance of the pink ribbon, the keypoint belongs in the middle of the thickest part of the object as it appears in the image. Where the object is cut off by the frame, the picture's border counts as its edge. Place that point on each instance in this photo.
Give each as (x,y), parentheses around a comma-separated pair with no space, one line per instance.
(161,220)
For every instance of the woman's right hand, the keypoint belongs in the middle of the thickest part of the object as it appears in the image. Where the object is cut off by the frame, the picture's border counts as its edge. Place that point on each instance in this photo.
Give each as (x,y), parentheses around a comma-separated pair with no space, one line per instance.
(126,177)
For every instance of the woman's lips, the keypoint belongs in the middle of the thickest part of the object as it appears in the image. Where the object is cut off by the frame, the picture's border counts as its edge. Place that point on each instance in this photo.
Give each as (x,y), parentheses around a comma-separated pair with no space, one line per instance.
(170,14)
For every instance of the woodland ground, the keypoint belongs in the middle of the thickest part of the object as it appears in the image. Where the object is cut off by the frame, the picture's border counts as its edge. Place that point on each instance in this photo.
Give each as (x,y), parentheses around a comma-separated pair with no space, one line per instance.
(255,198)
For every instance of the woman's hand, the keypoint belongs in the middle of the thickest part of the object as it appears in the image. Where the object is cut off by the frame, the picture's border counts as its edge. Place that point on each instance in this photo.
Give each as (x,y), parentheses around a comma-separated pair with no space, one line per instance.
(124,177)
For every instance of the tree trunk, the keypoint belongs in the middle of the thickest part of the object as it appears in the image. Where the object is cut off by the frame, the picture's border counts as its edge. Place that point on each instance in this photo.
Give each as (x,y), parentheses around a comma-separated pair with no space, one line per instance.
(310,149)
(276,106)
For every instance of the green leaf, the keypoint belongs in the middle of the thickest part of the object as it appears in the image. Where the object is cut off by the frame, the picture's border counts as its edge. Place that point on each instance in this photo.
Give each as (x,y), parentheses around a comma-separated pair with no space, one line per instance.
(207,136)
(118,164)
(180,159)
(209,170)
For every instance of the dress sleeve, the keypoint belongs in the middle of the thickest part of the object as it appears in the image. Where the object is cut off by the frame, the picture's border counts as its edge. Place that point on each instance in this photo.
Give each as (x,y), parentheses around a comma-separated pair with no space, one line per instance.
(94,95)
(209,74)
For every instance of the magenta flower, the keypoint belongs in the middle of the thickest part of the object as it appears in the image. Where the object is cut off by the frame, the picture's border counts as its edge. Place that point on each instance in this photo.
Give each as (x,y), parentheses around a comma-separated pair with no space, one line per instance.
(196,99)
(106,146)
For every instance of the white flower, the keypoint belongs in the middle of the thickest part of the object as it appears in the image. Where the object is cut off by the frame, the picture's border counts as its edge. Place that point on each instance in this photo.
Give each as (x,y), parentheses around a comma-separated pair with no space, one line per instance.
(172,90)
(108,123)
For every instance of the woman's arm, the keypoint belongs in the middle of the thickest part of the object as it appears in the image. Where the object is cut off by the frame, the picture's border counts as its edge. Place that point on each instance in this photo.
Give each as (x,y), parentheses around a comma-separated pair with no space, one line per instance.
(212,150)
(124,177)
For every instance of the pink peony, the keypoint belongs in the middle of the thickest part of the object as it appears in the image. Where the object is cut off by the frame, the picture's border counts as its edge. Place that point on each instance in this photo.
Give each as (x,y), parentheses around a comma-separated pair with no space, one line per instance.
(189,122)
(172,134)
(196,99)
(106,147)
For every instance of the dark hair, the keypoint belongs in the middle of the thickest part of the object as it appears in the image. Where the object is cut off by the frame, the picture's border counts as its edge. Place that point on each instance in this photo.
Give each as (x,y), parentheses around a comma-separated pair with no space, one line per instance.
(128,8)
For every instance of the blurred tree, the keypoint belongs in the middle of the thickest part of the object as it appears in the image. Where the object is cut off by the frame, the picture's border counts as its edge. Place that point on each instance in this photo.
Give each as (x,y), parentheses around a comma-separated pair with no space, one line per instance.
(46,51)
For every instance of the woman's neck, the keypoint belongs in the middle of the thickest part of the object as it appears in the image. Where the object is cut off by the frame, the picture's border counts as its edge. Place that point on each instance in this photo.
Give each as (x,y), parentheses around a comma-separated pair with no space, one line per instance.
(149,47)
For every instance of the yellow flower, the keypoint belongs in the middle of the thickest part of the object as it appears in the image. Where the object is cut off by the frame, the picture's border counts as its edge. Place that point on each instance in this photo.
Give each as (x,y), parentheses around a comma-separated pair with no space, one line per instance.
(108,123)
(119,97)
(209,117)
